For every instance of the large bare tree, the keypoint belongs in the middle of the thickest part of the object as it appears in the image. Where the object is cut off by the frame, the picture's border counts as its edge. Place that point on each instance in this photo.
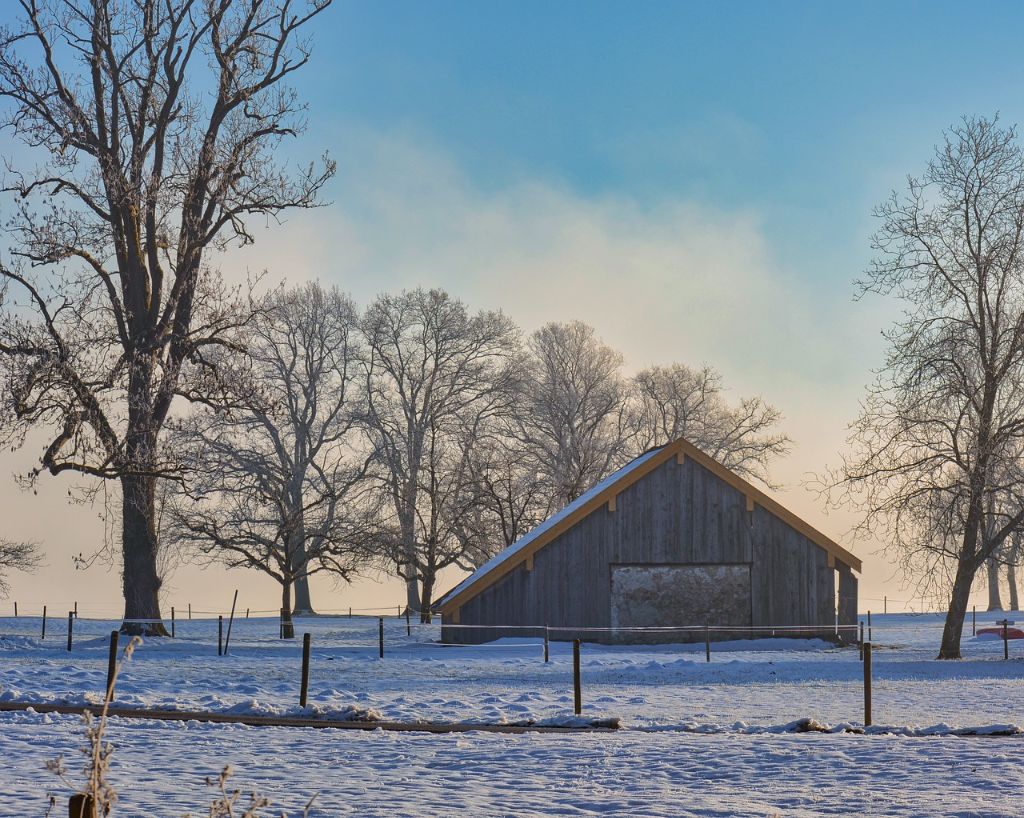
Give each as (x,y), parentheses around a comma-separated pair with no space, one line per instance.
(435,374)
(573,416)
(676,401)
(937,446)
(151,132)
(276,474)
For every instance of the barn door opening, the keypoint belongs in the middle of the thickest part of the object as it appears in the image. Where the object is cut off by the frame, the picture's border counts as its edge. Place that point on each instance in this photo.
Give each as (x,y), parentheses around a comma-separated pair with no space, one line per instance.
(679,595)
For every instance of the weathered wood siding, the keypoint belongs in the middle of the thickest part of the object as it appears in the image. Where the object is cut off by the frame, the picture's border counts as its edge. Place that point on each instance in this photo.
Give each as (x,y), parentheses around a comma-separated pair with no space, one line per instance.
(676,514)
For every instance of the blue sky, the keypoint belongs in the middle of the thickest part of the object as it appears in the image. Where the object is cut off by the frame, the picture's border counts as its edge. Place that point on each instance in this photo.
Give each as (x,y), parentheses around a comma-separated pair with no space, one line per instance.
(695,179)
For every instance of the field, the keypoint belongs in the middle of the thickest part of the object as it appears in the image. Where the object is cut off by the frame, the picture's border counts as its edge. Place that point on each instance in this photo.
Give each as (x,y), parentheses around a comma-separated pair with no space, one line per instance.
(697,738)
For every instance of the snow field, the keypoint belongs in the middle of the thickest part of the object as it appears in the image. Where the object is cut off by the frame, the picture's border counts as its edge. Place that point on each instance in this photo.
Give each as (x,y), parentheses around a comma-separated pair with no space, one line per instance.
(761,684)
(160,767)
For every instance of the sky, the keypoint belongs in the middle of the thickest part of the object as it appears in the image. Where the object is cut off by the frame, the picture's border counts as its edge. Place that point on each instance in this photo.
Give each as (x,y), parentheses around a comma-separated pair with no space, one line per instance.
(695,179)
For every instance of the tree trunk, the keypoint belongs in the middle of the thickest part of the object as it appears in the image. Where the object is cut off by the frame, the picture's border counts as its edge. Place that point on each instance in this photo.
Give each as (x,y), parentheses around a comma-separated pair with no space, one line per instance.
(995,603)
(140,580)
(1011,579)
(953,629)
(412,596)
(303,601)
(287,626)
(426,599)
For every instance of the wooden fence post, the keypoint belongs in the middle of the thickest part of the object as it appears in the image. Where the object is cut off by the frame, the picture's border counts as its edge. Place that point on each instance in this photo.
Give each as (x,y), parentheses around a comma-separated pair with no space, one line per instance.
(246,613)
(44,623)
(305,670)
(974,620)
(577,694)
(76,610)
(885,604)
(380,635)
(15,609)
(111,664)
(545,643)
(860,641)
(869,626)
(867,684)
(172,622)
(190,610)
(408,626)
(1006,637)
(220,634)
(349,611)
(81,806)
(707,643)
(71,627)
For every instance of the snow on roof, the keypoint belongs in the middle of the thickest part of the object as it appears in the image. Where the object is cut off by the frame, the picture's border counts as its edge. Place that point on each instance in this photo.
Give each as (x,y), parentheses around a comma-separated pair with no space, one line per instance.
(511,551)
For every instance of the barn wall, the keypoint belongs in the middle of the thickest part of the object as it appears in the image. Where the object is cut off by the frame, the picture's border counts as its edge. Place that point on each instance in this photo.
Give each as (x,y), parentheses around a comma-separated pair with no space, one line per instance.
(677,514)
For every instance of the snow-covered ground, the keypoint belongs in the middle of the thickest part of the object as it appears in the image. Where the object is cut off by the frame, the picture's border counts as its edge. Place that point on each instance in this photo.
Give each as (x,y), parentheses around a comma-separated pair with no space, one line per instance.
(736,762)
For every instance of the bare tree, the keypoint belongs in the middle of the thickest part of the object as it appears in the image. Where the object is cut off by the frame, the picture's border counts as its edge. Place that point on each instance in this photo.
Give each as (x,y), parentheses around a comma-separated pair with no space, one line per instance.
(435,374)
(152,128)
(573,418)
(677,401)
(16,556)
(939,439)
(276,480)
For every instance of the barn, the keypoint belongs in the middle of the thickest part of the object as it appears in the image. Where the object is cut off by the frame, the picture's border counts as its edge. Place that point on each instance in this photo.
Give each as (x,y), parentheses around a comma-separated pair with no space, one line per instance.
(671,539)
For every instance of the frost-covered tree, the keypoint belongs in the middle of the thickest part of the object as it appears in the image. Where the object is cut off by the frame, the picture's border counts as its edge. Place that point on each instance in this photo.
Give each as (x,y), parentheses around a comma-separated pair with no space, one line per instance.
(435,374)
(676,401)
(573,416)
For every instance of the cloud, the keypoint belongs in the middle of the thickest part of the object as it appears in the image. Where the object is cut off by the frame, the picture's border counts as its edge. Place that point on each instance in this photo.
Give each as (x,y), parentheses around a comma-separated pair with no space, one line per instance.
(664,280)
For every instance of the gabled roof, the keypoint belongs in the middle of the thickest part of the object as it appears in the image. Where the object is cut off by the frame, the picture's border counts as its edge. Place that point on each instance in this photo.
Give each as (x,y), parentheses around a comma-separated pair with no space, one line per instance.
(605,492)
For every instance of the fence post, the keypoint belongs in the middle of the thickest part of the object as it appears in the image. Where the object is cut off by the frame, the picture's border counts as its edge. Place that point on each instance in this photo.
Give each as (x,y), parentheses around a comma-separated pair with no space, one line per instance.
(860,641)
(71,627)
(408,626)
(974,620)
(44,624)
(869,626)
(399,611)
(15,609)
(246,613)
(380,634)
(190,610)
(885,604)
(577,695)
(867,684)
(76,610)
(1006,637)
(305,670)
(81,806)
(707,643)
(349,611)
(220,634)
(111,664)
(545,643)
(172,622)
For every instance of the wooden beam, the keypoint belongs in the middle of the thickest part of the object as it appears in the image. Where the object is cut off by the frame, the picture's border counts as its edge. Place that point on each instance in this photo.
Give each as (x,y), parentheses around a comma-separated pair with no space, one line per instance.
(529,562)
(750,503)
(680,457)
(611,502)
(831,561)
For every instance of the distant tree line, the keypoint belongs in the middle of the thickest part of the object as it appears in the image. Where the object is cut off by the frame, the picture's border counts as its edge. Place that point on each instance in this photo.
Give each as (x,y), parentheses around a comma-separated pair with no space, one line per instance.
(415,435)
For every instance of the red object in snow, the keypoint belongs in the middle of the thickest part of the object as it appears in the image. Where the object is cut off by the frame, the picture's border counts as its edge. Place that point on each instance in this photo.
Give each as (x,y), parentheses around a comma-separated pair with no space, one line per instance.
(1011,633)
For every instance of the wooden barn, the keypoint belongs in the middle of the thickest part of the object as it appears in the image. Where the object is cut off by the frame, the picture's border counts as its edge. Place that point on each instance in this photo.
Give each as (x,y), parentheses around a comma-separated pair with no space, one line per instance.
(671,539)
